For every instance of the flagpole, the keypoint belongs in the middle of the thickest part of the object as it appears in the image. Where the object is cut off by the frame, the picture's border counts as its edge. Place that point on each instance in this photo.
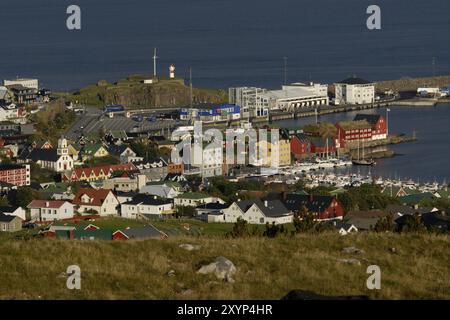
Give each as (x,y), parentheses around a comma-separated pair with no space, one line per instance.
(387,122)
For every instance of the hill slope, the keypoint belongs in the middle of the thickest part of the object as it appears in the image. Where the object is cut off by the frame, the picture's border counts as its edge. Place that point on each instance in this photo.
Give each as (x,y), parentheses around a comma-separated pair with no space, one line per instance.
(267,268)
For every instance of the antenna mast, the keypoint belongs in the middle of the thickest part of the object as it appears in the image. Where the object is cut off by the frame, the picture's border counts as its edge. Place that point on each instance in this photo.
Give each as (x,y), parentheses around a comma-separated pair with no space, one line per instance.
(190,85)
(154,62)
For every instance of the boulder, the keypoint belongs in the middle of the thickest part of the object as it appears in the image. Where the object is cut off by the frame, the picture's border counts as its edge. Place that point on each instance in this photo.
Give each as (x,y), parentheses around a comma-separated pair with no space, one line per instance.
(350,261)
(222,268)
(189,247)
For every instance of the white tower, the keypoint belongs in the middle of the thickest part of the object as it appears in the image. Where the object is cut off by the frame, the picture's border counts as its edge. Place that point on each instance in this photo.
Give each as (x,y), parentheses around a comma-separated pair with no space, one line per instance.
(62,147)
(172,71)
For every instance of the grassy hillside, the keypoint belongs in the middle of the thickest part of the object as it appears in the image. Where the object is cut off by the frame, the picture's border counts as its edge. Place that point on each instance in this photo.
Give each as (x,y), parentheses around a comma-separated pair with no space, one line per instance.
(267,268)
(134,94)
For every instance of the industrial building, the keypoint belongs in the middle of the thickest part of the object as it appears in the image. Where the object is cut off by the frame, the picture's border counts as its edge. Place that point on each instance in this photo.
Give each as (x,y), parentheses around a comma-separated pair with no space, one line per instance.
(259,102)
(24,82)
(216,113)
(354,91)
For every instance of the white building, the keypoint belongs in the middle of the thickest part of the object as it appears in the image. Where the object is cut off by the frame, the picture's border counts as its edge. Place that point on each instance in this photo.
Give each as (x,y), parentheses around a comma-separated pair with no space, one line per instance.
(293,97)
(255,211)
(57,160)
(50,210)
(208,158)
(27,83)
(96,201)
(258,102)
(354,91)
(194,199)
(245,97)
(146,206)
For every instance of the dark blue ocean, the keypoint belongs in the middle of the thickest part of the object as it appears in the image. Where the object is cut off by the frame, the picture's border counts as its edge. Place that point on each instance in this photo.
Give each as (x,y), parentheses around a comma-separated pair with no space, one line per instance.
(226,42)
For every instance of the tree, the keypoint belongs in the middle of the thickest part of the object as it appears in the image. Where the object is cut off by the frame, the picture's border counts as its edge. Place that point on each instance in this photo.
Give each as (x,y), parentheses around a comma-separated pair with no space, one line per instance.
(273,230)
(240,229)
(305,223)
(413,224)
(185,211)
(385,224)
(22,196)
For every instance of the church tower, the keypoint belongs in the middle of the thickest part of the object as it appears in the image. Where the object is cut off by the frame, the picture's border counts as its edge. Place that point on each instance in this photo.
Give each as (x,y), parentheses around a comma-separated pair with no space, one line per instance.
(62,150)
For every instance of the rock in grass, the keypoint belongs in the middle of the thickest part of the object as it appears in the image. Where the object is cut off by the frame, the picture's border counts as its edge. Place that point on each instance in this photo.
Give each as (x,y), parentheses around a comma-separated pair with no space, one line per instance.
(189,247)
(352,250)
(171,273)
(222,268)
(350,261)
(187,292)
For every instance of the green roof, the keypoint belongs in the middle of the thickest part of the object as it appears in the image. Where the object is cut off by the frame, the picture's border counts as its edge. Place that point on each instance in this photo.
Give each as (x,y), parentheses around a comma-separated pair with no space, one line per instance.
(193,195)
(416,198)
(92,148)
(349,125)
(100,234)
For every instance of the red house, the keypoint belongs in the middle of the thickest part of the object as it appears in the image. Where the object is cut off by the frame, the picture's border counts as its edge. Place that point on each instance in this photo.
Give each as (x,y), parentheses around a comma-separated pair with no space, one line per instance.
(303,146)
(348,131)
(322,207)
(300,146)
(378,125)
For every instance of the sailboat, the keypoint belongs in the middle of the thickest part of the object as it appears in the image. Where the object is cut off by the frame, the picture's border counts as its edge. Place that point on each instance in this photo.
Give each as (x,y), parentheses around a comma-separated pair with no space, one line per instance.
(363,161)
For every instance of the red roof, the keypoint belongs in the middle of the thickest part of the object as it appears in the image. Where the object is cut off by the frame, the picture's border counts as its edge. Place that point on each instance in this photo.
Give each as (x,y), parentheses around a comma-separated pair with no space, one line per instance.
(107,169)
(97,196)
(54,204)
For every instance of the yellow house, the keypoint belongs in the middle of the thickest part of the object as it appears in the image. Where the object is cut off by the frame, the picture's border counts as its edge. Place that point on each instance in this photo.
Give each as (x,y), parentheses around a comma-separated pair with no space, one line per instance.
(282,147)
(94,151)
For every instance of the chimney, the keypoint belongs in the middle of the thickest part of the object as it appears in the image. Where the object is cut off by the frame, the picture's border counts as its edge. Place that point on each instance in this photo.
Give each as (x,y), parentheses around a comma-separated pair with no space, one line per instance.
(266,203)
(47,204)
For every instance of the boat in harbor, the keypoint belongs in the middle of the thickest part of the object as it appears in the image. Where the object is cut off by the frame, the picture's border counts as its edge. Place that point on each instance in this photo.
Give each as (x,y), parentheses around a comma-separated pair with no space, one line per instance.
(362,161)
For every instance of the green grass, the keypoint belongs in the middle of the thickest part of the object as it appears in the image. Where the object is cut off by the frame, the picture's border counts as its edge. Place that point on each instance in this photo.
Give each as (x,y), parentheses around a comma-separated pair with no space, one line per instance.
(173,227)
(266,268)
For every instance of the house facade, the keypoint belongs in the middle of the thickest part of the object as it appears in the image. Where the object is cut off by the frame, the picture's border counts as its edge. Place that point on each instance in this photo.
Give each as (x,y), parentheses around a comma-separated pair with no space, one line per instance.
(354,91)
(96,201)
(50,210)
(378,125)
(17,175)
(194,199)
(322,207)
(10,223)
(255,211)
(146,206)
(353,131)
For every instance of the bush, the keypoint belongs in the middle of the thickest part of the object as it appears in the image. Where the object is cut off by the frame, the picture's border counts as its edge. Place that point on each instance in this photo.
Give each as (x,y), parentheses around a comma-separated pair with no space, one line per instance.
(273,230)
(240,229)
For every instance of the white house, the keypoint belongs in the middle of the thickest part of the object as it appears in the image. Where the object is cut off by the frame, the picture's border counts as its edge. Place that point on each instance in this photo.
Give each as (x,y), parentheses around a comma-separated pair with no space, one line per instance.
(14,211)
(194,199)
(255,211)
(96,201)
(354,91)
(50,210)
(146,206)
